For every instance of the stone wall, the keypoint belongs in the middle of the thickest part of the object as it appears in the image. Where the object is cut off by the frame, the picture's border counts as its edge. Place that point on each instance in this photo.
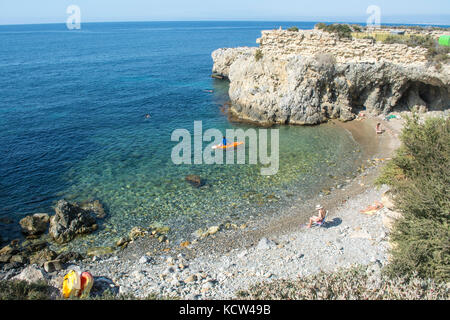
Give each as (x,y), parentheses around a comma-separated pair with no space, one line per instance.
(314,42)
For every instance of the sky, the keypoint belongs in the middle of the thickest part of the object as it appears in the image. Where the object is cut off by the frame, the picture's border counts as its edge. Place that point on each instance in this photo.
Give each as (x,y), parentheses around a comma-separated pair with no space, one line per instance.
(392,11)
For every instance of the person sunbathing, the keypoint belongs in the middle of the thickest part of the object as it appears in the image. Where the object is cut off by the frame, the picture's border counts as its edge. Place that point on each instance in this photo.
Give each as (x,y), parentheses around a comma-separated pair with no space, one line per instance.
(319,218)
(376,207)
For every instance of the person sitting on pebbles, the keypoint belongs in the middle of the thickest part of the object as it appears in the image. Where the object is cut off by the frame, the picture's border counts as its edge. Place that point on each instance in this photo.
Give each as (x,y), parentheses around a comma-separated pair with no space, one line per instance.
(320,217)
(378,129)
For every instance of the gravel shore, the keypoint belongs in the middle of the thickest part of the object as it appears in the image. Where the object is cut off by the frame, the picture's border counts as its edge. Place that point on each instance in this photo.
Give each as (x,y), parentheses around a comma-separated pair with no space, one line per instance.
(347,239)
(282,248)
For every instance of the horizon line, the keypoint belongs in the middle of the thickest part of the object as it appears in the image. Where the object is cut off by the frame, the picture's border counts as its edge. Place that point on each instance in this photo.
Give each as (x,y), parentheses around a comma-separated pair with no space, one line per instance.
(229,20)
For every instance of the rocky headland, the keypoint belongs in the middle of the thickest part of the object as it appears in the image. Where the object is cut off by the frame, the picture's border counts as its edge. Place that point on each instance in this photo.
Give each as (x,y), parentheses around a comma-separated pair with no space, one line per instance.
(307,77)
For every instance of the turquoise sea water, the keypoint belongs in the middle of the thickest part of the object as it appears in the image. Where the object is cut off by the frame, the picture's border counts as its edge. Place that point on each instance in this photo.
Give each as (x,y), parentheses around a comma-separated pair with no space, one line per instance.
(72,106)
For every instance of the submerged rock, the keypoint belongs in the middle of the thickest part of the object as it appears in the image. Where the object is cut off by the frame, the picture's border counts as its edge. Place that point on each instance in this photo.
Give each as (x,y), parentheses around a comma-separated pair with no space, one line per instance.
(100,251)
(35,224)
(95,207)
(123,241)
(69,221)
(5,220)
(195,180)
(136,233)
(69,256)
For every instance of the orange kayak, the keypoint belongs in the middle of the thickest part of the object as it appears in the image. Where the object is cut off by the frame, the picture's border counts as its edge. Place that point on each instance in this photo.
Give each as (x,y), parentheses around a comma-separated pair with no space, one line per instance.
(231,145)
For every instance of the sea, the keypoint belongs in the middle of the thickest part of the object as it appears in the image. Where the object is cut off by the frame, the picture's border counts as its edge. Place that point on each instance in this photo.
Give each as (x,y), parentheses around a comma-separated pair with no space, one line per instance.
(73,126)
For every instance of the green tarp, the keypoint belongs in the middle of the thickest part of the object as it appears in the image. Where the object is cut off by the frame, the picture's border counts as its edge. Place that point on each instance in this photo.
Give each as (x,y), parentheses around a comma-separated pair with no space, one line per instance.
(444,41)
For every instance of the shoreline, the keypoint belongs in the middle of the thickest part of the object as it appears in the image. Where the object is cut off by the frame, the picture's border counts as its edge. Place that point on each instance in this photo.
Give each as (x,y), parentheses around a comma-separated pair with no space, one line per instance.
(272,224)
(231,260)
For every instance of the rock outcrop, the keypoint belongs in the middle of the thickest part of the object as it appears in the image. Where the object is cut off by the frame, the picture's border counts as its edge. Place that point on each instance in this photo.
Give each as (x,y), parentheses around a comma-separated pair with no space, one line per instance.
(35,224)
(32,274)
(69,221)
(309,77)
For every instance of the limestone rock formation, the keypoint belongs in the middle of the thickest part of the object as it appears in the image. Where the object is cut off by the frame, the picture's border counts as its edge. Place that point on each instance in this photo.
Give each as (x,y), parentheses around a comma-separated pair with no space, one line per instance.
(309,77)
(224,58)
(69,221)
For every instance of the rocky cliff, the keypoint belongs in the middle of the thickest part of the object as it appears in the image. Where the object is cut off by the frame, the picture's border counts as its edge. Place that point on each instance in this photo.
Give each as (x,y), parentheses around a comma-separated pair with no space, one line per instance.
(308,77)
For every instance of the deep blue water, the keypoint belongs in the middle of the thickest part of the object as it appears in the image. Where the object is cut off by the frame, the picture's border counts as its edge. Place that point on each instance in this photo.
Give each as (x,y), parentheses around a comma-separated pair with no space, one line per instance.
(72,125)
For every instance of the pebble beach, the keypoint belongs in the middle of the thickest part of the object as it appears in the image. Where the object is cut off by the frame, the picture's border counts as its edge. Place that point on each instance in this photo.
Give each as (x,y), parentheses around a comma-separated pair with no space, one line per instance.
(228,259)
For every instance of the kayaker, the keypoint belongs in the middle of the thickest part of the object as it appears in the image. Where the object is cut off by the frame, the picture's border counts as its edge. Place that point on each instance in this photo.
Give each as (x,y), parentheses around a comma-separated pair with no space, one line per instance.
(224,141)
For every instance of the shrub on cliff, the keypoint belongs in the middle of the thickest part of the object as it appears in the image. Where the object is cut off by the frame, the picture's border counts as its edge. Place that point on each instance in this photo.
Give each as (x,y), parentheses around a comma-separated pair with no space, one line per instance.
(342,30)
(419,177)
(295,29)
(258,55)
(356,28)
(320,26)
(370,38)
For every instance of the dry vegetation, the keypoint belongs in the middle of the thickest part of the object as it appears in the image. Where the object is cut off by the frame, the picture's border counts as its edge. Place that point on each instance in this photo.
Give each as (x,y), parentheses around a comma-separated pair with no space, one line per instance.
(352,284)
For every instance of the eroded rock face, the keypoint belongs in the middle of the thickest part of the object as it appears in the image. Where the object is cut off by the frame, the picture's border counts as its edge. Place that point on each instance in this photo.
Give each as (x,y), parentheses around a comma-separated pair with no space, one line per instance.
(224,58)
(69,221)
(308,87)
